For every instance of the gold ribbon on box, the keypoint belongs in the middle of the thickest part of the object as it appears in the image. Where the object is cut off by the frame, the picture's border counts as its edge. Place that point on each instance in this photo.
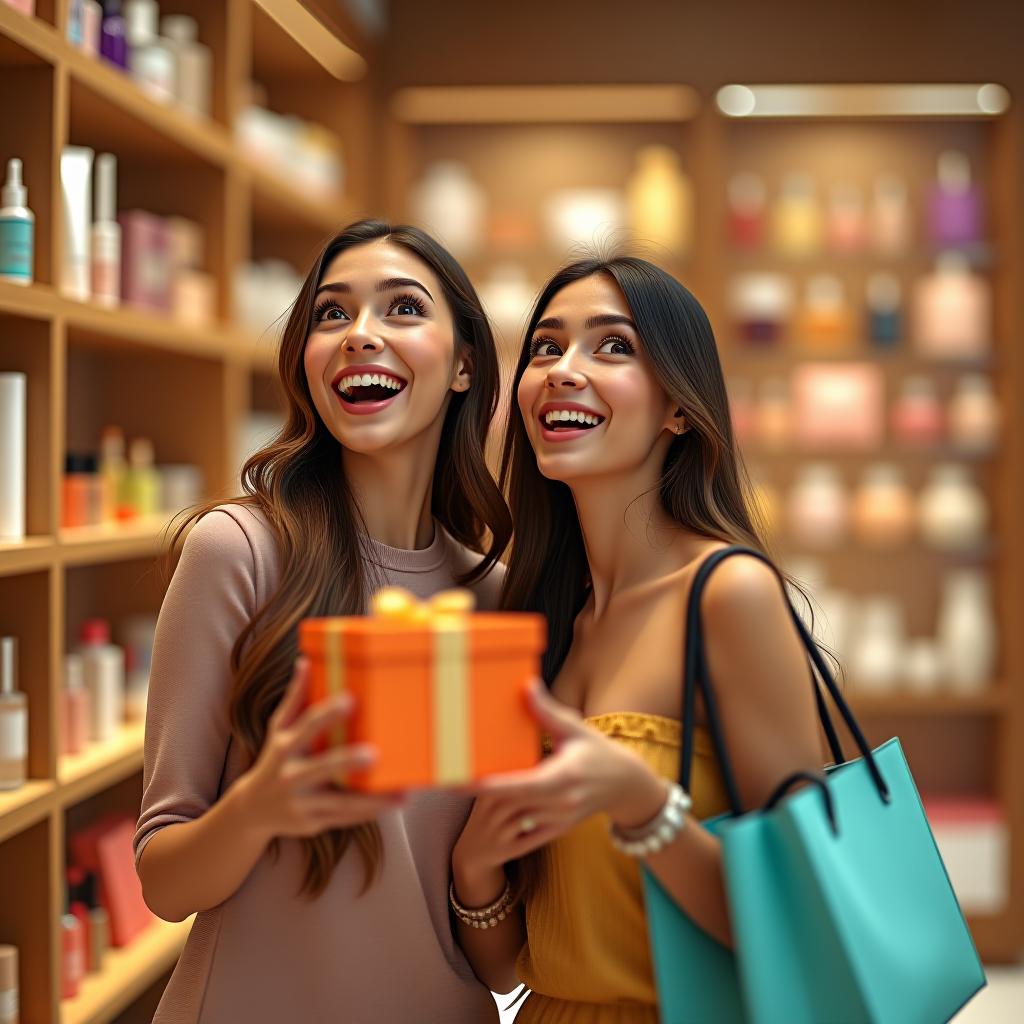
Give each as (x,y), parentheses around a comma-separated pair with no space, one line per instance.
(446,613)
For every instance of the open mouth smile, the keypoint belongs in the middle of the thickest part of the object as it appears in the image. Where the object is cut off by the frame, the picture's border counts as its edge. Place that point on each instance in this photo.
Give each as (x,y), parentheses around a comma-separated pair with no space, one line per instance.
(364,390)
(565,421)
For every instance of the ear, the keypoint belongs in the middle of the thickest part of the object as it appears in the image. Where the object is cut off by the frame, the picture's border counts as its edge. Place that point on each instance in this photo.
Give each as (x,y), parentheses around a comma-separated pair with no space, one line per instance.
(463,375)
(675,422)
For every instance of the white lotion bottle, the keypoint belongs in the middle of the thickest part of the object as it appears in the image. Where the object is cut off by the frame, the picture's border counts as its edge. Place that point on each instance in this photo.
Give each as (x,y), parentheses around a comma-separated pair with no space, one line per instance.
(13,719)
(106,235)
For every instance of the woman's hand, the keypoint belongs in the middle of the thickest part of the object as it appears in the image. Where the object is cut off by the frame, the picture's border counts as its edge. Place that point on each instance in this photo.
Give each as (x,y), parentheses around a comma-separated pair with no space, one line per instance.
(288,791)
(587,773)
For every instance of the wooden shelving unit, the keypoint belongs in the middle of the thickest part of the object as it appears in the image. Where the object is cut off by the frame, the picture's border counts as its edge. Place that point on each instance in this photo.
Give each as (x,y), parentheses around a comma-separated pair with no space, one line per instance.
(187,387)
(968,745)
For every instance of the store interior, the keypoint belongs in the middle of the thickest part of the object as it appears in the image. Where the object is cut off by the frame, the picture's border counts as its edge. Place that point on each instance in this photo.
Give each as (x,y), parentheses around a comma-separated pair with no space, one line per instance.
(842,189)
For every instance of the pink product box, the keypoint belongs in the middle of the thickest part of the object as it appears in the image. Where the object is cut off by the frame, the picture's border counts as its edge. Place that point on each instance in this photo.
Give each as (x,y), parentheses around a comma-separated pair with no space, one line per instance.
(839,406)
(146,266)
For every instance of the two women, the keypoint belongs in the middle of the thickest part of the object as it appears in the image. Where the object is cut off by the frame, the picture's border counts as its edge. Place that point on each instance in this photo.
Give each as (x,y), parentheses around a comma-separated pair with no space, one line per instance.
(623,476)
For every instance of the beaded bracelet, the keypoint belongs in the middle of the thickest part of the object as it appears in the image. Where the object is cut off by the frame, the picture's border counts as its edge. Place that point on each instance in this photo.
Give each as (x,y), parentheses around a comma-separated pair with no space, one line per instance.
(661,830)
(483,917)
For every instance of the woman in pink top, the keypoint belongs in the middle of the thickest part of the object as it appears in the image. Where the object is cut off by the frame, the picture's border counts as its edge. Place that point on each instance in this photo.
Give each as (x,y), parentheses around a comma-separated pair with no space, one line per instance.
(314,904)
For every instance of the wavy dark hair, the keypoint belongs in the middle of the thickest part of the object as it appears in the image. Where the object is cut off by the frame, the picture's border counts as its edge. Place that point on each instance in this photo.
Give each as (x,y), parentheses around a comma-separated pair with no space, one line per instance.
(298,483)
(703,486)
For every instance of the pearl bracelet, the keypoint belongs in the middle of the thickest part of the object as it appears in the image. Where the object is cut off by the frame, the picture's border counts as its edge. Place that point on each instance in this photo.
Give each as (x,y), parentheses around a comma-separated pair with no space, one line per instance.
(661,830)
(483,917)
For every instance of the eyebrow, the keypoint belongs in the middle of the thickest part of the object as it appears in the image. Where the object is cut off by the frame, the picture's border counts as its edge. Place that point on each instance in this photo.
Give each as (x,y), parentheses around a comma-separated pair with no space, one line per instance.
(381,286)
(556,323)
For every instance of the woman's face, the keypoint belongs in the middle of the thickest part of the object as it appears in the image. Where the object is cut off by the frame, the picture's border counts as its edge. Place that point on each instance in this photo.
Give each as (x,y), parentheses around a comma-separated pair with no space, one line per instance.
(381,358)
(589,397)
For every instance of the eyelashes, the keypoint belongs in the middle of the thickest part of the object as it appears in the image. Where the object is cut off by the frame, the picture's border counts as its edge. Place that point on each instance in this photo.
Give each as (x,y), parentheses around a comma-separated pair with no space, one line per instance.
(615,339)
(323,307)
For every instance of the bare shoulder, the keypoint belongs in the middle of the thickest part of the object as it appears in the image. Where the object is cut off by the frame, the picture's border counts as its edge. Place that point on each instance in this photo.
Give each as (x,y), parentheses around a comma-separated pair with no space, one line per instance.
(742,586)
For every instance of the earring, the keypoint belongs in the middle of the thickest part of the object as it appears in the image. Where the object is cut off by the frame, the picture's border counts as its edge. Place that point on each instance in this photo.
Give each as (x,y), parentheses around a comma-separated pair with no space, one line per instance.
(679,428)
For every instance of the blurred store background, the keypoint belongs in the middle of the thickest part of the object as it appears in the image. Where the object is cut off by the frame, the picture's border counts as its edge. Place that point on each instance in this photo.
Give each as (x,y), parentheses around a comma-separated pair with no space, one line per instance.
(841,186)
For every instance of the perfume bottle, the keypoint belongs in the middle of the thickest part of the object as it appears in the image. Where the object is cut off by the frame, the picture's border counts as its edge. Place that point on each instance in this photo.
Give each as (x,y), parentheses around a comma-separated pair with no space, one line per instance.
(954,205)
(825,321)
(747,200)
(884,304)
(952,510)
(917,415)
(890,216)
(878,657)
(659,198)
(818,506)
(883,509)
(796,217)
(974,414)
(966,629)
(846,227)
(761,305)
(953,311)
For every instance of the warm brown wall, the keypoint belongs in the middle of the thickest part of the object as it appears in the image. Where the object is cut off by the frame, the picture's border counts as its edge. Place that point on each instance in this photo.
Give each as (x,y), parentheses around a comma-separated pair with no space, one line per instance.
(704,43)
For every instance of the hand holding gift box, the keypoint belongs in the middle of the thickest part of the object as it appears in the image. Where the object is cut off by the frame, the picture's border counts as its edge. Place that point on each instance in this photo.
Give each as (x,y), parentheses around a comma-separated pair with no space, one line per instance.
(439,691)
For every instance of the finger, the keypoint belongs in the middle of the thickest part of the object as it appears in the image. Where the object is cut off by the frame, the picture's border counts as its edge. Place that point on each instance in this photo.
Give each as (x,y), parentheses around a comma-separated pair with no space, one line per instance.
(552,715)
(340,810)
(528,842)
(321,768)
(294,697)
(318,719)
(528,786)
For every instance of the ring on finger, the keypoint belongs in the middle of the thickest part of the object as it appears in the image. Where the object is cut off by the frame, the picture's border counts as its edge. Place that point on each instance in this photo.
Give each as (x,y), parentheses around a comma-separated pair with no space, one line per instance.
(527,824)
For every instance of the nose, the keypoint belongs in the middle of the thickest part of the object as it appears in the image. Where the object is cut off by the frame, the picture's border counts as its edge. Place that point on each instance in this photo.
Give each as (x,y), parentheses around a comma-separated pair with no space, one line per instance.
(362,335)
(564,375)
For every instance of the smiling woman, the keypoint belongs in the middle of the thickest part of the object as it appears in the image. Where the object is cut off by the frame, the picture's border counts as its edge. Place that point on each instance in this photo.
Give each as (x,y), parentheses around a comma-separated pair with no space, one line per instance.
(310,898)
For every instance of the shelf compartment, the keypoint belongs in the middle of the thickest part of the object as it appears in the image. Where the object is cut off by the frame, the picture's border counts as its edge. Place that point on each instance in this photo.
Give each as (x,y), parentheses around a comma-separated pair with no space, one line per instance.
(126,974)
(23,807)
(110,542)
(25,556)
(26,912)
(101,765)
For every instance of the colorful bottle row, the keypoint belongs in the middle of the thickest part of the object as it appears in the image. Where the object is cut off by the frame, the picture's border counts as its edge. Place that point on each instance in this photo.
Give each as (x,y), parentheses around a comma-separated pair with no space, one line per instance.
(949,315)
(834,409)
(950,512)
(797,222)
(163,55)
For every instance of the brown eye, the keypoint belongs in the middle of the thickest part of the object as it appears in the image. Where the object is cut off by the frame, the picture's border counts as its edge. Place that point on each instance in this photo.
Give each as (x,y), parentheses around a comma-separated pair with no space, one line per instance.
(544,347)
(616,347)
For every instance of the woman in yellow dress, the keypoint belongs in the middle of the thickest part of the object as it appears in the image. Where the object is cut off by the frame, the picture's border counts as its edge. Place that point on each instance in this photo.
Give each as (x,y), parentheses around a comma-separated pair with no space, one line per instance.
(623,477)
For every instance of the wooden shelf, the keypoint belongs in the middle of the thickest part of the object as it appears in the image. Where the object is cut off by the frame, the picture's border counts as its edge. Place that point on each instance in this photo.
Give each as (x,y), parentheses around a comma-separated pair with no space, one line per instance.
(126,973)
(29,555)
(36,301)
(279,204)
(100,765)
(110,542)
(25,40)
(22,807)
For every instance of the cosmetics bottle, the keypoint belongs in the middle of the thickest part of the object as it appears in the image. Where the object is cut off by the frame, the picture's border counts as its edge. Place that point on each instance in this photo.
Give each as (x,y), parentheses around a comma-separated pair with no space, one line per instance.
(890,216)
(93,490)
(773,415)
(659,197)
(192,64)
(99,938)
(75,721)
(952,510)
(450,202)
(76,195)
(13,719)
(13,454)
(845,226)
(747,201)
(137,634)
(796,217)
(825,322)
(818,506)
(150,61)
(922,666)
(953,311)
(741,409)
(9,985)
(954,206)
(143,481)
(878,657)
(113,471)
(72,956)
(883,509)
(75,29)
(78,904)
(917,415)
(966,628)
(113,40)
(17,228)
(104,679)
(74,492)
(92,27)
(885,319)
(106,235)
(146,271)
(974,414)
(762,304)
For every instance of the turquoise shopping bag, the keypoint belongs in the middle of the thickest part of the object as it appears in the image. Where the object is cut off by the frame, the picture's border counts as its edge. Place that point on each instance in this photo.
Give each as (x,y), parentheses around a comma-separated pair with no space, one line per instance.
(842,911)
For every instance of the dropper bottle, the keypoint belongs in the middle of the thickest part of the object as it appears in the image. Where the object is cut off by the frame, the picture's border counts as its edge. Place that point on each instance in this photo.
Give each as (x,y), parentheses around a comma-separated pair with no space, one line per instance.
(17,228)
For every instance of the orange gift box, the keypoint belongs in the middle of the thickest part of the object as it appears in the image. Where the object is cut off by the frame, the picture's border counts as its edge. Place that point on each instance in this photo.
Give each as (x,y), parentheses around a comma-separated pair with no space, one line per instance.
(440,692)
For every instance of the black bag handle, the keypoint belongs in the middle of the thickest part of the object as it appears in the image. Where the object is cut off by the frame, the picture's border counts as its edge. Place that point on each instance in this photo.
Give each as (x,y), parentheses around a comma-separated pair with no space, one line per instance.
(696,674)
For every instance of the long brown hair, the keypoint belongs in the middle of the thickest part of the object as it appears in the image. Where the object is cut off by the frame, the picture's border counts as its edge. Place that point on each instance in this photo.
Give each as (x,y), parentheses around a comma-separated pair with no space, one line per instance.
(703,485)
(297,482)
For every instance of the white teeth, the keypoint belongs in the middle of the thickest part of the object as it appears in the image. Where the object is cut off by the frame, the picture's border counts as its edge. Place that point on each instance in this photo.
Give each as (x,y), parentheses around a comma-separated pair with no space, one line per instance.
(362,380)
(571,416)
